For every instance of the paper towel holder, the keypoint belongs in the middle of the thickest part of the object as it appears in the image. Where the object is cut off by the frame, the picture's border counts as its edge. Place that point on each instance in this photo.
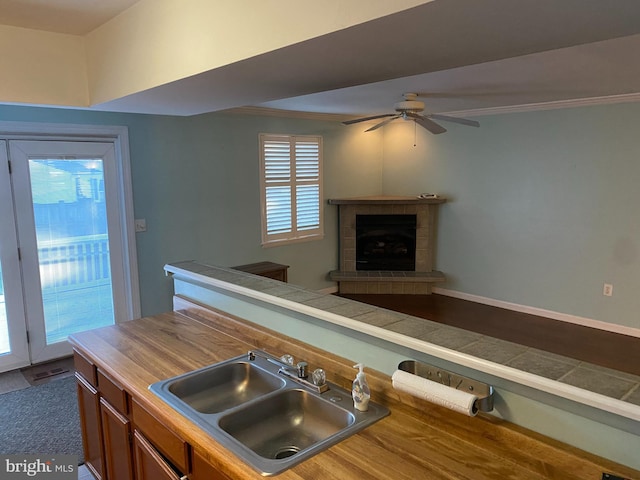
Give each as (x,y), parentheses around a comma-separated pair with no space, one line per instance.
(483,391)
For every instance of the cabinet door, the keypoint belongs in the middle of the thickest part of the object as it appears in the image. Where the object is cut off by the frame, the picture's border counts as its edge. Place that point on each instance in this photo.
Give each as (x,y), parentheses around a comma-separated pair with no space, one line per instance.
(164,440)
(116,431)
(150,465)
(91,426)
(203,470)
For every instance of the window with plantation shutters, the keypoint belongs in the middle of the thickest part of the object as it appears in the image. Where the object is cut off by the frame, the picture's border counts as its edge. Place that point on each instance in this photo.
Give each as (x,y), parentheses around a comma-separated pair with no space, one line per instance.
(291,188)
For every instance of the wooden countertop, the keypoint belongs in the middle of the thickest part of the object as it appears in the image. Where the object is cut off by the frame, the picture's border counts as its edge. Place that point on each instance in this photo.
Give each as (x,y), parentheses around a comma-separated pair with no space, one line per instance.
(417,441)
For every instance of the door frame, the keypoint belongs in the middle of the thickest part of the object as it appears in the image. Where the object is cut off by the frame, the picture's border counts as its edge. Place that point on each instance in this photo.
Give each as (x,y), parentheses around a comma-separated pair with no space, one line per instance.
(119,136)
(14,299)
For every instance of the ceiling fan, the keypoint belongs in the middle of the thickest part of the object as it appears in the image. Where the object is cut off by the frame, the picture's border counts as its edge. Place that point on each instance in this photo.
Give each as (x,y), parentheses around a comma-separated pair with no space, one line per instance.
(410,109)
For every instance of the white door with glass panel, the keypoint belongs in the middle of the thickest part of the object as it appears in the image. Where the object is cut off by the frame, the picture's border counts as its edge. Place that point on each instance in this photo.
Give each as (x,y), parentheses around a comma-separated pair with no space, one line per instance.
(61,255)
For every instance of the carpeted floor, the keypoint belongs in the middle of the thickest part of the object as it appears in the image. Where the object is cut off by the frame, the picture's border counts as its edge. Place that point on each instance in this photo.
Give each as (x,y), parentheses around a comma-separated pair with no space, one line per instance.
(41,419)
(11,381)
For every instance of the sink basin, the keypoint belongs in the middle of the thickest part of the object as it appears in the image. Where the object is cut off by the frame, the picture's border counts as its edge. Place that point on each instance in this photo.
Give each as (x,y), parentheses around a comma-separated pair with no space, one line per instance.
(267,419)
(219,388)
(283,425)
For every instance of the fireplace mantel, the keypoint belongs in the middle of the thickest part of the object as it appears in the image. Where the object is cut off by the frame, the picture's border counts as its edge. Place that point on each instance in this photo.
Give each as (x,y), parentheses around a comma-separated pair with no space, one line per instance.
(351,280)
(387,200)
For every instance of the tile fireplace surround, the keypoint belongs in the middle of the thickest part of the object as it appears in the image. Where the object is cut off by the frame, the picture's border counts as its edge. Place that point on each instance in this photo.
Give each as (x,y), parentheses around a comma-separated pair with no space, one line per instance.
(418,281)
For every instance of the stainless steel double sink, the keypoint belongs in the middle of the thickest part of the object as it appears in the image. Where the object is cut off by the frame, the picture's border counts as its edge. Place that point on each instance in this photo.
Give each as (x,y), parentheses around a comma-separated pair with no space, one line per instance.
(267,419)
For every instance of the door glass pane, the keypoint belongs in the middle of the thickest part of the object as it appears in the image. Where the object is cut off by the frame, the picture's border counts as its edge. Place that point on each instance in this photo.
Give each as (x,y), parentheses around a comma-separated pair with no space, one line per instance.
(73,248)
(4,328)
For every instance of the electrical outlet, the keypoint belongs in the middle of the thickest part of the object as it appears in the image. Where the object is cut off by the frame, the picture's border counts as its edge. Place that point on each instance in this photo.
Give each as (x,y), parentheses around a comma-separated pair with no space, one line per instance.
(607,290)
(141,225)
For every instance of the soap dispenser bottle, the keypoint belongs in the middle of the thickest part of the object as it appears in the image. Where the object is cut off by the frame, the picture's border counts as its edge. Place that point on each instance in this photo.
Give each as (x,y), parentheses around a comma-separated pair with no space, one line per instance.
(360,390)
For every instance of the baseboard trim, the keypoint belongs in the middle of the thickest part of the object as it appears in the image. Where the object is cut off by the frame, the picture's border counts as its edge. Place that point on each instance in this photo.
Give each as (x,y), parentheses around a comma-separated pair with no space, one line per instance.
(563,317)
(329,290)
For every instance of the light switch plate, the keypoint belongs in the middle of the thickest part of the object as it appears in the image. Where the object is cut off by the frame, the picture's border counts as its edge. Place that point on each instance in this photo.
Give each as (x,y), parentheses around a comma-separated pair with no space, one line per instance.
(141,225)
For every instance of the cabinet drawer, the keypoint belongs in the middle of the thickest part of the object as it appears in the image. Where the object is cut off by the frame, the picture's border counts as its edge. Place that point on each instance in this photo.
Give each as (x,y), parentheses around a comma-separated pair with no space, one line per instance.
(149,463)
(113,393)
(203,470)
(86,368)
(169,444)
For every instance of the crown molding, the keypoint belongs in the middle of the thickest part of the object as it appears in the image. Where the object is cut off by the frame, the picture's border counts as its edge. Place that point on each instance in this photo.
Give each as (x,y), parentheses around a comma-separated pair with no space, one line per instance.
(528,107)
(533,107)
(273,112)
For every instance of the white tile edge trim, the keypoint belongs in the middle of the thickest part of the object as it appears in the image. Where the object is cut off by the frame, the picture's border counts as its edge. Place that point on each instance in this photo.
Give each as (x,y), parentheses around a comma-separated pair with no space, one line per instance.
(537,382)
(563,317)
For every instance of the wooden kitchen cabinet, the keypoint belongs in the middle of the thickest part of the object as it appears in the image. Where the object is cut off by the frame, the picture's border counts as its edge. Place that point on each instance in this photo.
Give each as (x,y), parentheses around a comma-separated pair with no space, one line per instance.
(116,429)
(116,433)
(150,465)
(167,443)
(203,470)
(276,271)
(90,425)
(124,441)
(106,430)
(112,450)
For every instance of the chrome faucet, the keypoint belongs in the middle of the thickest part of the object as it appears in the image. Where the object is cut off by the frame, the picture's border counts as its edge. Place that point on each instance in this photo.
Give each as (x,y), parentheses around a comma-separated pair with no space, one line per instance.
(298,372)
(300,369)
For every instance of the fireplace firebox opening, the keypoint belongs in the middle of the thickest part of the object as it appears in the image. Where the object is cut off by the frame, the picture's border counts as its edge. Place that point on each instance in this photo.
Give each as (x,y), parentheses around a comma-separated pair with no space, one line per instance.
(386,242)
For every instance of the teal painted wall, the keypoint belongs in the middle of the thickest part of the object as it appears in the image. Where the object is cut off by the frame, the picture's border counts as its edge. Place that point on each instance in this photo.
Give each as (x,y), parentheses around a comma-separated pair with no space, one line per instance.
(229,205)
(542,206)
(195,181)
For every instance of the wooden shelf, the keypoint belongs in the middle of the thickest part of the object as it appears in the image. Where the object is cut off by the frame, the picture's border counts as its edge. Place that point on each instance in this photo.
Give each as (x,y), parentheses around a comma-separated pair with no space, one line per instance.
(386,200)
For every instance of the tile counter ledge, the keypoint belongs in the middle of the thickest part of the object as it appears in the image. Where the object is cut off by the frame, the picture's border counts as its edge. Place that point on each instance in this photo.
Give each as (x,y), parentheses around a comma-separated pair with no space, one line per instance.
(538,390)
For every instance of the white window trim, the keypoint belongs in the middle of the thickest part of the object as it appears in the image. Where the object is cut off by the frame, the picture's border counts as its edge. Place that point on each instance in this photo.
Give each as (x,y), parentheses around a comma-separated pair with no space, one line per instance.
(295,236)
(120,137)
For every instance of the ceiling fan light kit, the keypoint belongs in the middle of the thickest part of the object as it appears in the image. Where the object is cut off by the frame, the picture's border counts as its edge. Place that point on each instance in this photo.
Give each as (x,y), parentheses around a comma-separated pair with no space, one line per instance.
(410,109)
(410,104)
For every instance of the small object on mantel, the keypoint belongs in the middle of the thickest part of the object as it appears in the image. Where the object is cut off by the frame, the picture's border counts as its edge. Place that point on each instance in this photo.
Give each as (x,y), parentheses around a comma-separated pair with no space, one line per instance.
(272,270)
(428,195)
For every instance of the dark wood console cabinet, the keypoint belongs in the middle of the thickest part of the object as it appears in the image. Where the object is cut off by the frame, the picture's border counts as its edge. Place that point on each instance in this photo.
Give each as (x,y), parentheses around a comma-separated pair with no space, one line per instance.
(265,269)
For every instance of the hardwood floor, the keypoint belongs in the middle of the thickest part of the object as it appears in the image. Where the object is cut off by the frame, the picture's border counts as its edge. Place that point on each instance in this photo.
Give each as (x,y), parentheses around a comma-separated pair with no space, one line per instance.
(612,350)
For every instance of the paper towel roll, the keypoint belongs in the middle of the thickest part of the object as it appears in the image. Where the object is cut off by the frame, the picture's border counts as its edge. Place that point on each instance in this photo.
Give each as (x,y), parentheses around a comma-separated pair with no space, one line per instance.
(434,392)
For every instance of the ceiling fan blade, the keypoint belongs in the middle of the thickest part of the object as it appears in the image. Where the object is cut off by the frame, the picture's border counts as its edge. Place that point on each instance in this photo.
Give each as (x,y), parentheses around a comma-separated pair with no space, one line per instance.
(382,124)
(364,119)
(462,121)
(430,125)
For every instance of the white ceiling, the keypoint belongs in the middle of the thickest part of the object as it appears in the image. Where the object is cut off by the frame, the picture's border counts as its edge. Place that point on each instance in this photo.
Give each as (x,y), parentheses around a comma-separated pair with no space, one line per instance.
(466,55)
(75,17)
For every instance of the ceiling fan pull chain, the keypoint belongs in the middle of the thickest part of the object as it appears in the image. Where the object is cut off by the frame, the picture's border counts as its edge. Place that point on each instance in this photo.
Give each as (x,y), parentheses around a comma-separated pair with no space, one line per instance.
(415,133)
